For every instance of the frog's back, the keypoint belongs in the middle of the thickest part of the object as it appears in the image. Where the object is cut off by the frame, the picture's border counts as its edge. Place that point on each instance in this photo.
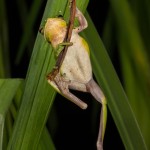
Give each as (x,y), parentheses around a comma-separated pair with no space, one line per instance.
(77,65)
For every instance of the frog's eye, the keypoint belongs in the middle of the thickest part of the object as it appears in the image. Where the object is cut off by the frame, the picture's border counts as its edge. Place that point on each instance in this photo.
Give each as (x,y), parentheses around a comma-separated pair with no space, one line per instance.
(59,16)
(41,30)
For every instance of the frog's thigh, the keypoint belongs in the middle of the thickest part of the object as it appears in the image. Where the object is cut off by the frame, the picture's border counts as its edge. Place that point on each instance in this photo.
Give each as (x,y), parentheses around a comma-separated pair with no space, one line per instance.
(63,87)
(74,85)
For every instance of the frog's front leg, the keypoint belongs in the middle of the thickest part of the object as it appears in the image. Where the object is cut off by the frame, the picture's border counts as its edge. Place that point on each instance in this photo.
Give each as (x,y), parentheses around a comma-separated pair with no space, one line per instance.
(60,47)
(63,86)
(82,21)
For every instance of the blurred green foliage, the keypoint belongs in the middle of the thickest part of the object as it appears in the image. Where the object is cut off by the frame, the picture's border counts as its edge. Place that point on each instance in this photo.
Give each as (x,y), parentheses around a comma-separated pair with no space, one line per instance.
(131,23)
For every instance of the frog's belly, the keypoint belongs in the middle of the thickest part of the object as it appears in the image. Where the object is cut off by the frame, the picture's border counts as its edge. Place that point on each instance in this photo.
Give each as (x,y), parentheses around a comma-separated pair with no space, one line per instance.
(76,65)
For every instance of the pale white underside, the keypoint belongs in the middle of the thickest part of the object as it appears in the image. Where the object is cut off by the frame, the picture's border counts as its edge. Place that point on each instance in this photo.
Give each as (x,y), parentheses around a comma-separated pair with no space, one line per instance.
(77,65)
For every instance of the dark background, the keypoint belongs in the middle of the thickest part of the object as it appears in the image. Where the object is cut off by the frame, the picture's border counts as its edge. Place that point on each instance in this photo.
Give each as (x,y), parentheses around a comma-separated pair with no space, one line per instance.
(75,130)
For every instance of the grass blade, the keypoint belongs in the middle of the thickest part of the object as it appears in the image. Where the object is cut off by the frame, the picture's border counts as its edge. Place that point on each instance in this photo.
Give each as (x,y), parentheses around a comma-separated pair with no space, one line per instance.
(117,100)
(4,46)
(8,88)
(128,31)
(46,141)
(132,40)
(38,96)
(28,28)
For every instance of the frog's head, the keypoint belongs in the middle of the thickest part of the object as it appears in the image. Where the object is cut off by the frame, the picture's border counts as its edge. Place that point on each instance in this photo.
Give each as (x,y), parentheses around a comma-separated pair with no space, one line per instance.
(55,30)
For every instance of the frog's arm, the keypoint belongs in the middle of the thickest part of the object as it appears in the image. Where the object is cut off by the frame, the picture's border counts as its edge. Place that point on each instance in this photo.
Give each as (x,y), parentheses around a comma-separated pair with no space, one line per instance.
(60,47)
(82,21)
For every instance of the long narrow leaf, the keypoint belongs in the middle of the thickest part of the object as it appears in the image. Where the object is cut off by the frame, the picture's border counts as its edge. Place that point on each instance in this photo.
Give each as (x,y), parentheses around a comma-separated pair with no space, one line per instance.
(8,88)
(46,141)
(128,30)
(117,100)
(38,95)
(4,46)
(28,28)
(134,57)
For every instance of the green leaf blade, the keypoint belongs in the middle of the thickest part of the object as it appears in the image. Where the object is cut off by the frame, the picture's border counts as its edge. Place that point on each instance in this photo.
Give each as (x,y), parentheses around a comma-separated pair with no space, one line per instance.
(38,95)
(116,97)
(8,88)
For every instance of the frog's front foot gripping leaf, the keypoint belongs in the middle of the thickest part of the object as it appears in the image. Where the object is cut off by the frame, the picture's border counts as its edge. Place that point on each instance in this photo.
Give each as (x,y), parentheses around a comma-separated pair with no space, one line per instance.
(75,72)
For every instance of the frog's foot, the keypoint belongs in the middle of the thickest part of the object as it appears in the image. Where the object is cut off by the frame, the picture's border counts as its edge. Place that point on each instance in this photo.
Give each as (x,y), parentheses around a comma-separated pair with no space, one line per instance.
(82,21)
(53,74)
(63,86)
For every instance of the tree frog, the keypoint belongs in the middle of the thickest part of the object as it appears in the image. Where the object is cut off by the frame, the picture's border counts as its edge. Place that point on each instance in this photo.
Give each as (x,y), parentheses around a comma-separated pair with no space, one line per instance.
(76,71)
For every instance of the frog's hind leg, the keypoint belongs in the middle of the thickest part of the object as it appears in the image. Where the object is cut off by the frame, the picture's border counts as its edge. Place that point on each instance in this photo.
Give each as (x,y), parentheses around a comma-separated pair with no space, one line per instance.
(64,88)
(95,90)
(78,86)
